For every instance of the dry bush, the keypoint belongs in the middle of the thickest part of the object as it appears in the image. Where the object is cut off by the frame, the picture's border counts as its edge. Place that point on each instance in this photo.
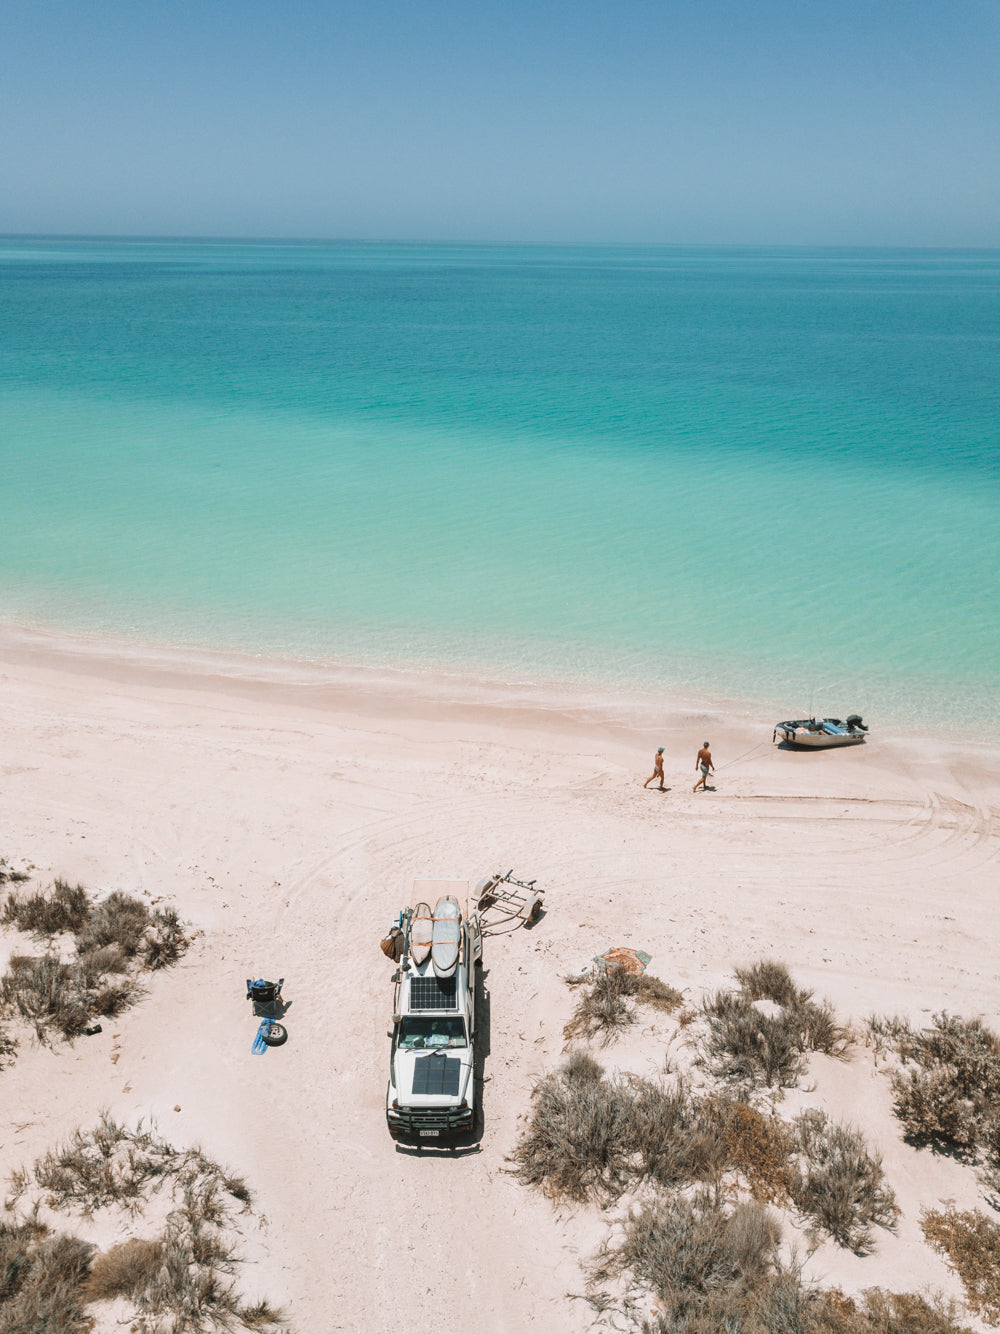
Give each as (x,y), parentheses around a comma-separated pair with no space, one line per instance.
(594,1138)
(971,1243)
(657,994)
(109,1165)
(767,980)
(748,1048)
(887,1033)
(576,1145)
(909,1313)
(115,937)
(65,909)
(165,941)
(260,1315)
(669,1140)
(757,1147)
(124,1270)
(62,996)
(704,1262)
(990,1175)
(180,1281)
(41,1280)
(8,1046)
(7,872)
(117,920)
(751,1049)
(114,1164)
(948,1092)
(604,1008)
(42,990)
(839,1184)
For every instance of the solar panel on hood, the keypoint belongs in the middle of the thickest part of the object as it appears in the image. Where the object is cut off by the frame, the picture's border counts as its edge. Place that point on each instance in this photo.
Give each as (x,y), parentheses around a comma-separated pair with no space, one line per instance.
(436,1076)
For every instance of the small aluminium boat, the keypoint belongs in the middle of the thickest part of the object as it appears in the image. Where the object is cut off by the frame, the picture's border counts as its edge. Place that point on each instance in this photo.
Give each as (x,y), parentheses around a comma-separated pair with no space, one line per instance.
(821,733)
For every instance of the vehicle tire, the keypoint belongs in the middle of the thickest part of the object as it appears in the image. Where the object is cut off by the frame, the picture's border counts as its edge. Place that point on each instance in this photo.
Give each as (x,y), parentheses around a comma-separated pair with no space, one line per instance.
(275,1035)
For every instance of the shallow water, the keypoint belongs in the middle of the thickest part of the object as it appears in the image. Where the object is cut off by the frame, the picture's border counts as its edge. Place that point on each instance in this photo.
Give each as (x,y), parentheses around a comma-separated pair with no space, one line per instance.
(766,474)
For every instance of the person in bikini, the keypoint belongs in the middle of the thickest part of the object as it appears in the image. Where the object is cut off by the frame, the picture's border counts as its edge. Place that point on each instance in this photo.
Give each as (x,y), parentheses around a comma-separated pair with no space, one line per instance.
(704,763)
(657,770)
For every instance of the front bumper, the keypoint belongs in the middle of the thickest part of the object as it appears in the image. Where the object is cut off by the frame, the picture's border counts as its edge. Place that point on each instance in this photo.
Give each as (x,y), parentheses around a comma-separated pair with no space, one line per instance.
(445,1120)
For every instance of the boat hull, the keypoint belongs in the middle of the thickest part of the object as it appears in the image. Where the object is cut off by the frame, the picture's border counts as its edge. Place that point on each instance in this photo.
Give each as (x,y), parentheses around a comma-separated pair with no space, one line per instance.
(810,741)
(821,733)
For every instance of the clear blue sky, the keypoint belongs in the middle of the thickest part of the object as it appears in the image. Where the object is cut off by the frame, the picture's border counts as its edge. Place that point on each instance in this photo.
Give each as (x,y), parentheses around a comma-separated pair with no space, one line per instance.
(687,121)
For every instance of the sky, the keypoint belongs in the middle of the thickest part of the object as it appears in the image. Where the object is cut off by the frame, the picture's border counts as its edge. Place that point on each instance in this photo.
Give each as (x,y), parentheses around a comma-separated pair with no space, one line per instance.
(785,122)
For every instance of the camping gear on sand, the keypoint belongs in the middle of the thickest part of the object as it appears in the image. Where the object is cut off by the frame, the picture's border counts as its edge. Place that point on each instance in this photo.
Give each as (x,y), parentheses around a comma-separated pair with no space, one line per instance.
(265,1000)
(633,961)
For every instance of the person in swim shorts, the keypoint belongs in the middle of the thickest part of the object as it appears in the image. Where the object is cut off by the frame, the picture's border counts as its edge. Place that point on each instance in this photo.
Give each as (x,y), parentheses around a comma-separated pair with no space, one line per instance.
(704,763)
(657,770)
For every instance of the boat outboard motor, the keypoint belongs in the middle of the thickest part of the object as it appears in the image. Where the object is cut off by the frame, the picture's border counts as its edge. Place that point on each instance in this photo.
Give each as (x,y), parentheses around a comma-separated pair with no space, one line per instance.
(855,724)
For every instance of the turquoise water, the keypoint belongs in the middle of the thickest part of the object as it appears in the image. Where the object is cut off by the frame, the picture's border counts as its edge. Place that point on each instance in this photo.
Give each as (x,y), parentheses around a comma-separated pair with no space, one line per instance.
(757,473)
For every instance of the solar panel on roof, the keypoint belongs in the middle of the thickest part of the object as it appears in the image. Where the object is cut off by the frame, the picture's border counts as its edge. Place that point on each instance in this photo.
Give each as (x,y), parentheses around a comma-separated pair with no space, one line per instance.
(436,1075)
(433,993)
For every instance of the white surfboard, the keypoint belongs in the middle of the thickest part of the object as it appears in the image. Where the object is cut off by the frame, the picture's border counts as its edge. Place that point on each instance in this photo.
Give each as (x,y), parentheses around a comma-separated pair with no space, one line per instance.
(421,932)
(447,935)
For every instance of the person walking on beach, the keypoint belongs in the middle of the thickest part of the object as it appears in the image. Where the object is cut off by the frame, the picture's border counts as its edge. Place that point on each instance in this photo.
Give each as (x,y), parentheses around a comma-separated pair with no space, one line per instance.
(657,770)
(704,763)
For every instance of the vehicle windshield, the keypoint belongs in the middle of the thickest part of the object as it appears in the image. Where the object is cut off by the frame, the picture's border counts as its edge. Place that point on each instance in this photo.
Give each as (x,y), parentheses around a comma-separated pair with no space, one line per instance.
(419,1032)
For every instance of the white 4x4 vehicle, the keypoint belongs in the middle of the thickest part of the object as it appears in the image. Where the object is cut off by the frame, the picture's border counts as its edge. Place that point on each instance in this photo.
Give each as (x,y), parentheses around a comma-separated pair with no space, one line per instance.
(432,1085)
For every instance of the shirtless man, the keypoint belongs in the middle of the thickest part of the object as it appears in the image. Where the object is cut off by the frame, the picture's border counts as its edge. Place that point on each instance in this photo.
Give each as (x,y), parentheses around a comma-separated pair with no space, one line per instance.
(657,770)
(704,763)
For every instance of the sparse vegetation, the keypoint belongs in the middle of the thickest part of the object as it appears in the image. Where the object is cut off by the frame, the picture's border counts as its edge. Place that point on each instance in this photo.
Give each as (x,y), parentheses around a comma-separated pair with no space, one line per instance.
(704,1262)
(181,1279)
(41,1278)
(715,1268)
(971,1243)
(838,1183)
(64,909)
(8,1046)
(114,939)
(577,1145)
(62,996)
(609,1002)
(750,1048)
(702,1167)
(10,873)
(947,1086)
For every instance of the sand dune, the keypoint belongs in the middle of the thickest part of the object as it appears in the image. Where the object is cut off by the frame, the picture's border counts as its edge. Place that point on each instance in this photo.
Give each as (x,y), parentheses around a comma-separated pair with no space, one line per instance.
(285,811)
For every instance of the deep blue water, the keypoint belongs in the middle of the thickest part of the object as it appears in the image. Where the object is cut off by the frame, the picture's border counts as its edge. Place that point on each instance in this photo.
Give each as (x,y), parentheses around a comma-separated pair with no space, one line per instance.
(769,474)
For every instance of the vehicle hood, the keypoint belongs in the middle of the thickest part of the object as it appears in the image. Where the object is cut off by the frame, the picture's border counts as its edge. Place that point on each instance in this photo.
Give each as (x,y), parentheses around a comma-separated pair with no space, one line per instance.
(405,1069)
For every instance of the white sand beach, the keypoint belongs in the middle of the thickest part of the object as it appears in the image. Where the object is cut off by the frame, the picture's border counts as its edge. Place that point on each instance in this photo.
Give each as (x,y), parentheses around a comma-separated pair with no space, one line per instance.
(285,810)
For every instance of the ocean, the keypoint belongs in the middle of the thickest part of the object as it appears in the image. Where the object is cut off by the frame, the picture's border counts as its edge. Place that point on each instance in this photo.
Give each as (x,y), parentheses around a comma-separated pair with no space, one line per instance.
(756,474)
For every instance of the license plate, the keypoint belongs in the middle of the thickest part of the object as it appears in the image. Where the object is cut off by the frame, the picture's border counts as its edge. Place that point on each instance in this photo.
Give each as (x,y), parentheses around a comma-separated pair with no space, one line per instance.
(425,1133)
